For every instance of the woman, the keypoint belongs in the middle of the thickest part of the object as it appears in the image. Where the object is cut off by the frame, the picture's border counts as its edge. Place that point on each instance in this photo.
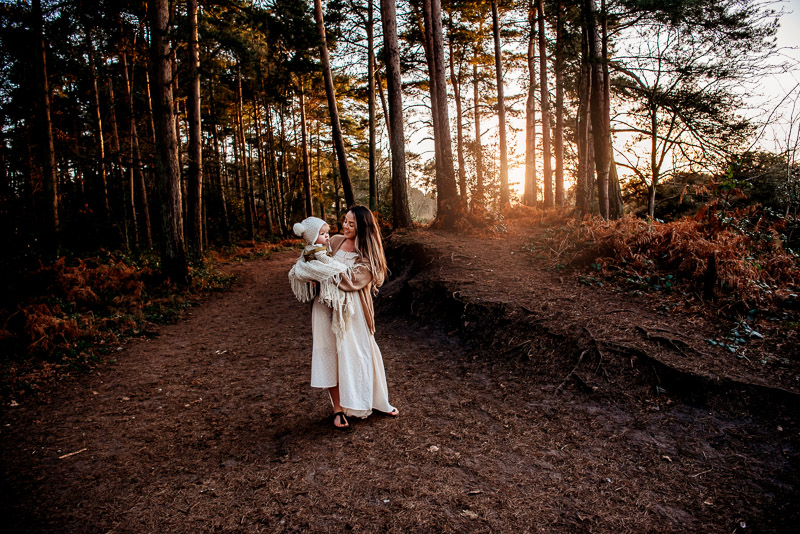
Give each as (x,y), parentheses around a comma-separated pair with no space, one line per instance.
(353,373)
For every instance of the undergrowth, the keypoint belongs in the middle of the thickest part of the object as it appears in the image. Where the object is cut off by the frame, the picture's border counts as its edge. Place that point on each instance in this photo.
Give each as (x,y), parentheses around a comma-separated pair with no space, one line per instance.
(751,264)
(65,317)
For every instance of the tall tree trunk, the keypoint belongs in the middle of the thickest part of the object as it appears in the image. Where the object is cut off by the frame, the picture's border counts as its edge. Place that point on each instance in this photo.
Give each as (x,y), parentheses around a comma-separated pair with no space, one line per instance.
(251,191)
(335,173)
(373,179)
(338,140)
(427,45)
(247,191)
(78,161)
(600,134)
(283,181)
(136,160)
(318,156)
(194,177)
(477,200)
(276,189)
(306,169)
(223,204)
(131,186)
(531,187)
(654,167)
(237,160)
(558,138)
(584,196)
(456,82)
(147,84)
(401,215)
(447,201)
(50,233)
(384,106)
(501,107)
(615,204)
(219,185)
(262,168)
(98,125)
(178,128)
(173,253)
(547,173)
(385,109)
(117,158)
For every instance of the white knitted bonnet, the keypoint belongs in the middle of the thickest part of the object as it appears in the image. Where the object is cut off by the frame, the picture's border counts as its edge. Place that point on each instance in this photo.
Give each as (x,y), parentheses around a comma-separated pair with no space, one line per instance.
(309,229)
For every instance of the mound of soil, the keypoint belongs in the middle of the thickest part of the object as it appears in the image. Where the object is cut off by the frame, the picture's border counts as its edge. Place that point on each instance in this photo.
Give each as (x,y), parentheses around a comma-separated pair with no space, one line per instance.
(212,426)
(496,294)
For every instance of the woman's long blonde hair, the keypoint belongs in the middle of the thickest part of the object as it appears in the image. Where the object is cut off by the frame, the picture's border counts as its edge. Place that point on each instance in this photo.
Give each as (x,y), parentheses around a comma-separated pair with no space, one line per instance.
(369,244)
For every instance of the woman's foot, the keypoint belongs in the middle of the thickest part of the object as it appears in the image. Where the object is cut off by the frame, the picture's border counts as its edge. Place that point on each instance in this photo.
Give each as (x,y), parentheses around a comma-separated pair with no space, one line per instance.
(340,420)
(394,413)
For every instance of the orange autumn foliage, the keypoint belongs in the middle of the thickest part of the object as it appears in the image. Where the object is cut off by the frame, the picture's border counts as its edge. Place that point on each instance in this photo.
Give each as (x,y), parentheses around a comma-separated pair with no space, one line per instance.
(752,267)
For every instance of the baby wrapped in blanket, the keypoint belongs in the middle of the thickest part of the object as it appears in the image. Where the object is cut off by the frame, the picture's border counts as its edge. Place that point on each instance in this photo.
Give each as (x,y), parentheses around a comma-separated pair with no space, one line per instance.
(316,272)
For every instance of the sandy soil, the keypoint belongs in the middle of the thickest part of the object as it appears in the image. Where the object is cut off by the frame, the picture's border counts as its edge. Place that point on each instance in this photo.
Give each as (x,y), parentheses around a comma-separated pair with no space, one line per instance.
(211,426)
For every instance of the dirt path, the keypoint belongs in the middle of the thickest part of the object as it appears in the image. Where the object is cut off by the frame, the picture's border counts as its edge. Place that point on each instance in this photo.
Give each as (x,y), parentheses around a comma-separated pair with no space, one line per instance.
(211,426)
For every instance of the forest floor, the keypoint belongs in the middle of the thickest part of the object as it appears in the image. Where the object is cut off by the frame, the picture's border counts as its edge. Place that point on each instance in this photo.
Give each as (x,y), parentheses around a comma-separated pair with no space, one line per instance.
(530,402)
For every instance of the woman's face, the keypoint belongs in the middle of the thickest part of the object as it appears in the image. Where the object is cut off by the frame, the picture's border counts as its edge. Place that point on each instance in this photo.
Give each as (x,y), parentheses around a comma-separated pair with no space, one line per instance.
(349,226)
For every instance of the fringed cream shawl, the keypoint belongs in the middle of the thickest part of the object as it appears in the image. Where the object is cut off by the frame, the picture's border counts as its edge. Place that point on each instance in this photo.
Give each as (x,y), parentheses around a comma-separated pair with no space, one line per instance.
(315,265)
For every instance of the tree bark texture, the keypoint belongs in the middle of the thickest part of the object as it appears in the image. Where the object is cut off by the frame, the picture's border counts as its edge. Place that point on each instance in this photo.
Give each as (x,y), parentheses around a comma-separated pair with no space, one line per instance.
(173,254)
(263,168)
(531,187)
(373,179)
(338,140)
(501,107)
(304,142)
(401,215)
(584,193)
(194,177)
(219,186)
(447,201)
(116,156)
(600,133)
(427,45)
(547,173)
(477,199)
(615,205)
(105,210)
(247,183)
(46,147)
(144,228)
(456,83)
(558,138)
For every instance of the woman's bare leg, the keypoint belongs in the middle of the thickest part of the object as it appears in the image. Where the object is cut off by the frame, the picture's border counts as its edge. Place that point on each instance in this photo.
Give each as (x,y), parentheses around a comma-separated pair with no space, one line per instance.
(334,393)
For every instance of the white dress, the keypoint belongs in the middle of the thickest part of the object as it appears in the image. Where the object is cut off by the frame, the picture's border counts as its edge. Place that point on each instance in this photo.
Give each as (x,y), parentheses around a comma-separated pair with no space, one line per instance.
(358,370)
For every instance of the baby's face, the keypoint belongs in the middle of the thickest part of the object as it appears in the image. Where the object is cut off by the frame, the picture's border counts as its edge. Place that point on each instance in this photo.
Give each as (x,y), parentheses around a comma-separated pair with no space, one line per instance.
(324,235)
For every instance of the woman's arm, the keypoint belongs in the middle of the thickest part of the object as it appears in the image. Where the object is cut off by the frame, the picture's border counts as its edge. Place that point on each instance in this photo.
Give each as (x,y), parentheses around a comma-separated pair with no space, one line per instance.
(360,277)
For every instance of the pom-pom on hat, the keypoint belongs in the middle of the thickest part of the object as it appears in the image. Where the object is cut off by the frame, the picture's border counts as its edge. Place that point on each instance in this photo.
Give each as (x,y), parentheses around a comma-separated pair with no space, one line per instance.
(308,229)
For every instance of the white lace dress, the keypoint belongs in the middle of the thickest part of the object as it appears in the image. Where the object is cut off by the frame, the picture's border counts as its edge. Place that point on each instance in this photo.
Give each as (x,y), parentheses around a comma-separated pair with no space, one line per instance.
(358,370)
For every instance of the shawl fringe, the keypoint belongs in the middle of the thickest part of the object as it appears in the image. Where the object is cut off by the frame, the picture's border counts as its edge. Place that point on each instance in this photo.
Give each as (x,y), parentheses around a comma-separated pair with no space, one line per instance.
(327,272)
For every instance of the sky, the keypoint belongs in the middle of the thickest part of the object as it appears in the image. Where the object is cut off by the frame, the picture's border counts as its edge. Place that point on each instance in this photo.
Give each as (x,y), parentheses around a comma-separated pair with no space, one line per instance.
(778,87)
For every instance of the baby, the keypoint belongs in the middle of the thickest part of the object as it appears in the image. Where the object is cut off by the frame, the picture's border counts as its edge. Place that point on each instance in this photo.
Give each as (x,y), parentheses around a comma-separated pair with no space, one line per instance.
(316,270)
(316,238)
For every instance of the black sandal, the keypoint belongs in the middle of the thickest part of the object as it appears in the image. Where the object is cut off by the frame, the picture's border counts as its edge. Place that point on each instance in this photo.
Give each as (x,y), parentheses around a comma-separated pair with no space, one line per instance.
(342,419)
